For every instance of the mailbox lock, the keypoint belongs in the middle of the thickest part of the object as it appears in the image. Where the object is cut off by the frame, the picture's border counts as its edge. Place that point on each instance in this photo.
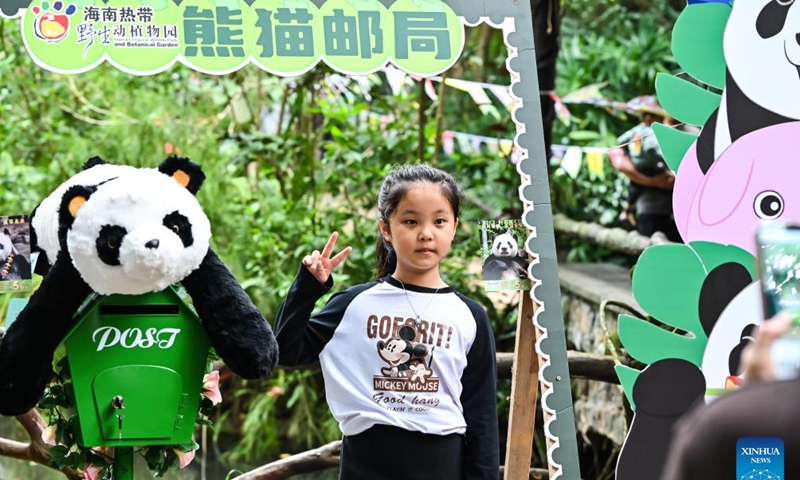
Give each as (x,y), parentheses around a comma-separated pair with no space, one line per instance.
(119,404)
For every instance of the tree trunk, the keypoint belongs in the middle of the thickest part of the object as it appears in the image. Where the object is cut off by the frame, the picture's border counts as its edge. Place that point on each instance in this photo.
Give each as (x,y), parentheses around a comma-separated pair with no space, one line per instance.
(36,451)
(546,29)
(615,239)
(311,461)
(321,459)
(581,365)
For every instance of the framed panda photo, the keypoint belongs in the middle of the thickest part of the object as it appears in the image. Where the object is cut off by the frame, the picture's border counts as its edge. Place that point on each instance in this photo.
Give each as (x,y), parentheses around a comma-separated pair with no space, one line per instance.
(15,254)
(504,264)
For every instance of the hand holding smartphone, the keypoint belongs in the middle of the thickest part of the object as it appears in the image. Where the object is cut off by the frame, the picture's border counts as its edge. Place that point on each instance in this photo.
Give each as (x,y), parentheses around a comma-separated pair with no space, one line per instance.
(778,248)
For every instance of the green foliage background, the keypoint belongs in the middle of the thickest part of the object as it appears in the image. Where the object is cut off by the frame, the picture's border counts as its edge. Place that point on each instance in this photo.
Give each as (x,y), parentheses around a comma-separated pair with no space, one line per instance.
(622,45)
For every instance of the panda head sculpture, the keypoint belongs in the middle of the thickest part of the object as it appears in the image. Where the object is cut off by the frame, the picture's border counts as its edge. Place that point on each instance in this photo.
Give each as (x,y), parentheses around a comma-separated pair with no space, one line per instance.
(125,230)
(126,239)
(762,52)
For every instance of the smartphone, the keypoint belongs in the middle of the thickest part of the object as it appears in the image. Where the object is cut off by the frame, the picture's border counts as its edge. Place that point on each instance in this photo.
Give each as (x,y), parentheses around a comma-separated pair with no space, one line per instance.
(778,252)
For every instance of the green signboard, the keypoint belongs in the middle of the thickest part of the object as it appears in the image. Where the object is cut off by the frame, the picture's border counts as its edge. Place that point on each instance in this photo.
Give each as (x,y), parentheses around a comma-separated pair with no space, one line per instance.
(284,37)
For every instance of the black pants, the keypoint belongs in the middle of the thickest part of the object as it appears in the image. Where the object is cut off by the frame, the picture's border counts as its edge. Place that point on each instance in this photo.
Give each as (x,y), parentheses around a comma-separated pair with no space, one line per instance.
(390,453)
(649,223)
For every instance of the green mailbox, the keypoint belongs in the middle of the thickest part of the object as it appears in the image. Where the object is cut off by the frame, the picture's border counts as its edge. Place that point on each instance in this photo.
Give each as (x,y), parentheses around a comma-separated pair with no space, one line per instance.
(137,364)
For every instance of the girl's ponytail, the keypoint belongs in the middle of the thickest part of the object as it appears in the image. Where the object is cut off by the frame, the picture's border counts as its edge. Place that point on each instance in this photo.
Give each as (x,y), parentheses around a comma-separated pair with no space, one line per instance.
(385,258)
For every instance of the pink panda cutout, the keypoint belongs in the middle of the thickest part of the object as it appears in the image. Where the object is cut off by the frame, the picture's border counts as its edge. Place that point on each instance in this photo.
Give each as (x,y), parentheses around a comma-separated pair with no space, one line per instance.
(754,179)
(688,178)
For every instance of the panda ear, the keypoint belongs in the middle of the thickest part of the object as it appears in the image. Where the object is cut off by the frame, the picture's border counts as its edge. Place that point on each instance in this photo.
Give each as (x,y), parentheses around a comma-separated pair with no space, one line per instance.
(5,230)
(72,201)
(184,171)
(93,162)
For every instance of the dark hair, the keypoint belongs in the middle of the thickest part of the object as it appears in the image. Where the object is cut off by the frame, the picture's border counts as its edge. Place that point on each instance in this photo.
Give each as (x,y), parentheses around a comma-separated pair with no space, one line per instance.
(395,186)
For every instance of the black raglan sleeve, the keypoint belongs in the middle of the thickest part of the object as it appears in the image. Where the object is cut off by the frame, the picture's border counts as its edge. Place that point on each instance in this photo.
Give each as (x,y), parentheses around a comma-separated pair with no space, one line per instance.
(301,336)
(479,401)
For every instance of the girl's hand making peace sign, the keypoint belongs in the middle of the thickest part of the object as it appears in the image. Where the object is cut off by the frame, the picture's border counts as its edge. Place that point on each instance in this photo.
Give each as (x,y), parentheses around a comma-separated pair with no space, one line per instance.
(321,264)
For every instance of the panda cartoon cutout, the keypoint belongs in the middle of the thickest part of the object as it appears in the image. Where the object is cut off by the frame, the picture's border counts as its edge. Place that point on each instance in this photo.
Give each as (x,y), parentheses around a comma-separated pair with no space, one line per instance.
(134,231)
(505,261)
(762,54)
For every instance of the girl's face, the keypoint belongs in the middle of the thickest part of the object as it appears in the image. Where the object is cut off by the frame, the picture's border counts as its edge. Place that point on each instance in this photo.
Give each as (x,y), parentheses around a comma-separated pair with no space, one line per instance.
(420,230)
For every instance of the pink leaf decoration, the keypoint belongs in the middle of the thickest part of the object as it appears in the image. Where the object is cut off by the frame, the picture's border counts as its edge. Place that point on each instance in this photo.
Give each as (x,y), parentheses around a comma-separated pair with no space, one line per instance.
(49,435)
(91,472)
(211,387)
(185,458)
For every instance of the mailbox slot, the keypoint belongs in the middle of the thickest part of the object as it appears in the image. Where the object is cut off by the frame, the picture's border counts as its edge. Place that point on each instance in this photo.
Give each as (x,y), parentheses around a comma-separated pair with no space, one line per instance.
(139,309)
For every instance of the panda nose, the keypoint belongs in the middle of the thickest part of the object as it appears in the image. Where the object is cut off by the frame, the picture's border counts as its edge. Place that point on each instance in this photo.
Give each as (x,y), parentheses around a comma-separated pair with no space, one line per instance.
(152,244)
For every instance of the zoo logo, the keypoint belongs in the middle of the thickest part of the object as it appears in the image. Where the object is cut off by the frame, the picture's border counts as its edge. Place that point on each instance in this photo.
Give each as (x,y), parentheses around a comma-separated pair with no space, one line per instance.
(52,26)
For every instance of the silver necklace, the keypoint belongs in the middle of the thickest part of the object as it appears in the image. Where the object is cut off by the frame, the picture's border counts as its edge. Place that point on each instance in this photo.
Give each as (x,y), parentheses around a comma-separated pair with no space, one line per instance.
(418,320)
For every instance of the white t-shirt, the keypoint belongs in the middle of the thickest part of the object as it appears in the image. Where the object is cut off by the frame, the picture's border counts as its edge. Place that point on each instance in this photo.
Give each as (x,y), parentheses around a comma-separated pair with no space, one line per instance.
(381,366)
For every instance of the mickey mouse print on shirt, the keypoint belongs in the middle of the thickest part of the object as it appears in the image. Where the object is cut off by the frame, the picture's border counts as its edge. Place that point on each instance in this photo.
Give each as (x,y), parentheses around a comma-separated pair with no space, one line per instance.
(405,357)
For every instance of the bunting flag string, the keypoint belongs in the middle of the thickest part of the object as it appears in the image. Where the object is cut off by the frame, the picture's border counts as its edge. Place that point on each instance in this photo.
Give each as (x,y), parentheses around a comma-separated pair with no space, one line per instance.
(469,143)
(569,158)
(587,95)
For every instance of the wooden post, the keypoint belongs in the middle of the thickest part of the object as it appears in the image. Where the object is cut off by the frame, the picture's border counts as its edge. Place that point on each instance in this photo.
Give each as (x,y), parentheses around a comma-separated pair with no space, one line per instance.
(524,387)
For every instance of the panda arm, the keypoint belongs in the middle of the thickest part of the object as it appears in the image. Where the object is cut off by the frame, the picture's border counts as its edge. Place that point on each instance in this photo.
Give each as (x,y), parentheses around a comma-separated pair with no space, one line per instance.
(521,266)
(479,402)
(42,264)
(237,330)
(26,352)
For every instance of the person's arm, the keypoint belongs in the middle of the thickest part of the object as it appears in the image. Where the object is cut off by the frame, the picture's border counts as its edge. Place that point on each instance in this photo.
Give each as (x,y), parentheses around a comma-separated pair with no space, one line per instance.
(479,401)
(665,180)
(302,337)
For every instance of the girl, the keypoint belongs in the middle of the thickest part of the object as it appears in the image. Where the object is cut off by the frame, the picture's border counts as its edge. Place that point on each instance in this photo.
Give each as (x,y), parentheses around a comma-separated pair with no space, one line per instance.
(408,362)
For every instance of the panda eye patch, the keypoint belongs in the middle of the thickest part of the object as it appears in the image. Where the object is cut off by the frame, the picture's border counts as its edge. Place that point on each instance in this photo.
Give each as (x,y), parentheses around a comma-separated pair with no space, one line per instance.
(180,225)
(108,242)
(772,18)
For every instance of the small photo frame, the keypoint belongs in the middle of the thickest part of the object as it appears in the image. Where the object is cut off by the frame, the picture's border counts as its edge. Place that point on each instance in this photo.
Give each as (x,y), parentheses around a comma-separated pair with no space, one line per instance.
(15,254)
(503,259)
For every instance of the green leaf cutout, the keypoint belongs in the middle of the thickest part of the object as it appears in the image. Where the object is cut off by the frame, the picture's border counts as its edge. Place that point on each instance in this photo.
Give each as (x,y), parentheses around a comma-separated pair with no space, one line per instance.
(648,343)
(667,282)
(697,41)
(674,144)
(714,255)
(685,101)
(627,377)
